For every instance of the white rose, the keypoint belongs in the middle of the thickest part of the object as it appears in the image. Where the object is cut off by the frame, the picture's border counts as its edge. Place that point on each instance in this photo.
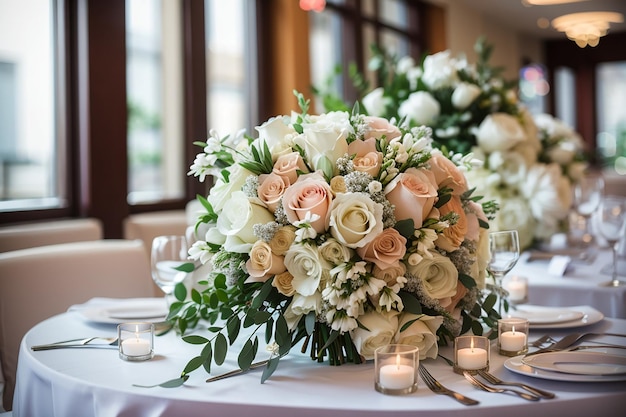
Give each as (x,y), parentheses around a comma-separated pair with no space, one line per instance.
(277,133)
(301,305)
(220,193)
(237,220)
(499,132)
(514,213)
(381,329)
(307,267)
(374,102)
(438,274)
(440,70)
(420,107)
(549,195)
(334,252)
(511,167)
(464,95)
(324,138)
(354,219)
(422,333)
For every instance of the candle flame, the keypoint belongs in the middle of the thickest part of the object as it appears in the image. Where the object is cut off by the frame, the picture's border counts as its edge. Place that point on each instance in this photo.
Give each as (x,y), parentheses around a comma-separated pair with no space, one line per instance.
(398,361)
(472,344)
(137,331)
(513,329)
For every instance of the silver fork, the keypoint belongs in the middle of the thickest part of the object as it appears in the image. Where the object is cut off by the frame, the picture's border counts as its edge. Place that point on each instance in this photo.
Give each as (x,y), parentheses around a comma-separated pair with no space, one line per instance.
(489,388)
(497,381)
(546,338)
(108,342)
(436,387)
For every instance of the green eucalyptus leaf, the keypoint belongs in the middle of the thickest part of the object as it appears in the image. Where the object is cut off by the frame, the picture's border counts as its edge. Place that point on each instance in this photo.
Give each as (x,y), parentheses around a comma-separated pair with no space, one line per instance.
(180,292)
(196,296)
(220,349)
(406,228)
(186,267)
(246,356)
(265,290)
(411,303)
(233,326)
(282,332)
(272,364)
(172,383)
(222,295)
(269,330)
(193,364)
(309,322)
(262,317)
(195,339)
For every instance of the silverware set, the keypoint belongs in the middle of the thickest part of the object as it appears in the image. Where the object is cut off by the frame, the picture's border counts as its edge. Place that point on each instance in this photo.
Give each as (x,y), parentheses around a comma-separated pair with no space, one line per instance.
(568,341)
(103,342)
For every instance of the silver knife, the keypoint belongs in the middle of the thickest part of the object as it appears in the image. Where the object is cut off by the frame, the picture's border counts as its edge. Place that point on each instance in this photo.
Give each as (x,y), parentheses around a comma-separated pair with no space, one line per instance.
(565,342)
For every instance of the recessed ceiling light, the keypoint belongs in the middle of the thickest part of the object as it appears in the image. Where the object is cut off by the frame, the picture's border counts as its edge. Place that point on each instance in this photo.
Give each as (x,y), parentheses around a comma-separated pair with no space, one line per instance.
(588,27)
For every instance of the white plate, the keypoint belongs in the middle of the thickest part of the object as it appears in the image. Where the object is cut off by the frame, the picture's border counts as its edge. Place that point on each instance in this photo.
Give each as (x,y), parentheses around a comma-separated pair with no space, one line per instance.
(579,363)
(586,316)
(516,365)
(547,315)
(148,310)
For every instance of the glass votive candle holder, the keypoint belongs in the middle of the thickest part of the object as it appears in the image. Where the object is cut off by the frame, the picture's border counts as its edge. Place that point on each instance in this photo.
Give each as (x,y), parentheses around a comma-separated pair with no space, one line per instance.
(471,353)
(517,287)
(396,369)
(513,336)
(136,341)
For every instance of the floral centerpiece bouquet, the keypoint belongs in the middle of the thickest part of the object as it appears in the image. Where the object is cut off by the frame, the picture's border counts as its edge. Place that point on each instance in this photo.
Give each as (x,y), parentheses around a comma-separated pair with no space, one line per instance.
(529,163)
(346,232)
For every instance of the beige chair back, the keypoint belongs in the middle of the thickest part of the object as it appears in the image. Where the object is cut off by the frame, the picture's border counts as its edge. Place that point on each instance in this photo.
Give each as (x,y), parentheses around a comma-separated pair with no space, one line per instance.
(29,235)
(40,282)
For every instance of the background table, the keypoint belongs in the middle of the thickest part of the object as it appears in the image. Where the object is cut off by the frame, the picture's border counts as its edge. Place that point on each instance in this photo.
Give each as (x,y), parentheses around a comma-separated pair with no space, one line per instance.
(95,382)
(578,286)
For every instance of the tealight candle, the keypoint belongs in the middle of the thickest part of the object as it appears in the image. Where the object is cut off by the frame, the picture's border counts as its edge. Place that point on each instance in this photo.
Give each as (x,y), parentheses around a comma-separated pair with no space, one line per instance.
(517,288)
(135,341)
(471,353)
(396,369)
(513,336)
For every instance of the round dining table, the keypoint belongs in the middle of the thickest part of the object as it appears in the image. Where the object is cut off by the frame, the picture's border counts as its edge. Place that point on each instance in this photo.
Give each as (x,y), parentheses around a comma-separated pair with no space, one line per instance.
(95,382)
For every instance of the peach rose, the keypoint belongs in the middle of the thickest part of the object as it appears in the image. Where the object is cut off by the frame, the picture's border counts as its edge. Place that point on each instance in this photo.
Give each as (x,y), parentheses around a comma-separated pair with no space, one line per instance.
(271,188)
(283,283)
(288,165)
(385,250)
(367,159)
(310,193)
(447,174)
(263,263)
(475,214)
(454,300)
(453,236)
(338,185)
(413,193)
(379,127)
(282,240)
(390,275)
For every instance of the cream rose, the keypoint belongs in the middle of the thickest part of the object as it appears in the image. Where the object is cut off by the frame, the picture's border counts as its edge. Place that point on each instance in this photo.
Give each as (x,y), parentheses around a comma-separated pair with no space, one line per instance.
(278,134)
(510,167)
(310,193)
(499,132)
(271,189)
(413,193)
(282,240)
(438,275)
(288,165)
(421,333)
(464,94)
(262,263)
(375,102)
(453,236)
(380,329)
(237,220)
(334,252)
(306,266)
(447,174)
(421,108)
(338,185)
(301,305)
(324,139)
(283,283)
(355,219)
(385,250)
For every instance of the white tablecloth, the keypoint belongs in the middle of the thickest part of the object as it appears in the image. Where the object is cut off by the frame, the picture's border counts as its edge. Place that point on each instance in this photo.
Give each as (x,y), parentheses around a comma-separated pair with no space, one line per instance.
(578,286)
(95,382)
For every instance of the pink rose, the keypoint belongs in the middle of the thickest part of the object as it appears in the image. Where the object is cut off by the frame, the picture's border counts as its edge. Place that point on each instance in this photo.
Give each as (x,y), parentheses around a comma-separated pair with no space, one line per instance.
(413,193)
(288,166)
(475,213)
(263,263)
(310,193)
(379,127)
(447,174)
(385,250)
(271,189)
(453,236)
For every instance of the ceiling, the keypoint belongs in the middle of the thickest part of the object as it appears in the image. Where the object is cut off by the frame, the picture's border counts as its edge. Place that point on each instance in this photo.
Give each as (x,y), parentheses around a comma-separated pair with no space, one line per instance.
(515,14)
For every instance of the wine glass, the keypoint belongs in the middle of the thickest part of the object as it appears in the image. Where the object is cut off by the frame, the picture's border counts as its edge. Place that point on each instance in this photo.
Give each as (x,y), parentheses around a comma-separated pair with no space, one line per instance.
(612,226)
(504,251)
(588,193)
(168,252)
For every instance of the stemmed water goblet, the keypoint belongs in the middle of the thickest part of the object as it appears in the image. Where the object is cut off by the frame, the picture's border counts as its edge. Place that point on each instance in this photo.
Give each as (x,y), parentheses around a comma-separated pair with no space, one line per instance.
(612,226)
(168,254)
(504,251)
(587,195)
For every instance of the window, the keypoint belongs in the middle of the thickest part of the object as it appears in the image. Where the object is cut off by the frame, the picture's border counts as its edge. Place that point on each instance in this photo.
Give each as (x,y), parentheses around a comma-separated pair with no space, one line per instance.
(30,172)
(611,102)
(344,32)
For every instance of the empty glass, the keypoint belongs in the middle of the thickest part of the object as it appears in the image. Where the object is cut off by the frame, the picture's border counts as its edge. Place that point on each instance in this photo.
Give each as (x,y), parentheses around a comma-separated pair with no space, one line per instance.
(588,193)
(168,253)
(504,251)
(612,226)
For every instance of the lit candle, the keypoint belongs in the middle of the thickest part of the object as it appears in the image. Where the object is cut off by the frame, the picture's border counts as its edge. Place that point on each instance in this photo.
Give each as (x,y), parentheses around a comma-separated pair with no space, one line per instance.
(471,357)
(517,288)
(512,341)
(136,346)
(396,376)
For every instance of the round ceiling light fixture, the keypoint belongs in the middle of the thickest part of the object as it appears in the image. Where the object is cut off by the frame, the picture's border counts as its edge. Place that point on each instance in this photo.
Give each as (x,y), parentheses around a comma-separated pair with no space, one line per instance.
(588,27)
